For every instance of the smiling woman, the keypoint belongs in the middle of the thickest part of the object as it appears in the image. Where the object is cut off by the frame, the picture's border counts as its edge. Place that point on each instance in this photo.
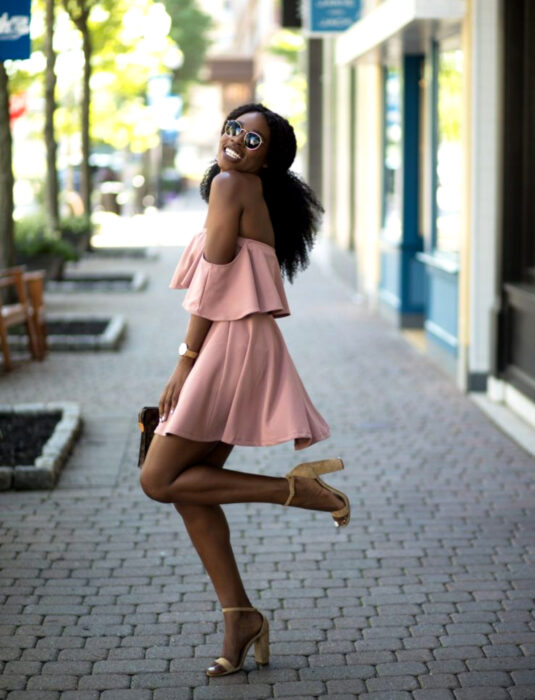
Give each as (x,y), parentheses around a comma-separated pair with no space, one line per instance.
(235,383)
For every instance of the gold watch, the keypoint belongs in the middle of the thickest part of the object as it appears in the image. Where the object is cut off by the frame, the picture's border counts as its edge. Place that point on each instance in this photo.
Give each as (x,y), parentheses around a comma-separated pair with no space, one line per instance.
(184,351)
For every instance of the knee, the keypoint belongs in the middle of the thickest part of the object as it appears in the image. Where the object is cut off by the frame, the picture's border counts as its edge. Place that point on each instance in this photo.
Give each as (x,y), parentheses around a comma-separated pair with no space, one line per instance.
(152,489)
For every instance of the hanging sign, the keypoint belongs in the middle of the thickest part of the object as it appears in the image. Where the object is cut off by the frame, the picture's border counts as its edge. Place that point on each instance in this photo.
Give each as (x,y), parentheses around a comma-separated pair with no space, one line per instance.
(327,17)
(14,29)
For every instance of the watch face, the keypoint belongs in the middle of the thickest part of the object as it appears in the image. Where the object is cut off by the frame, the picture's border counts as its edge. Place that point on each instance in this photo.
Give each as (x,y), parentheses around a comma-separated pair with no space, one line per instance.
(182,348)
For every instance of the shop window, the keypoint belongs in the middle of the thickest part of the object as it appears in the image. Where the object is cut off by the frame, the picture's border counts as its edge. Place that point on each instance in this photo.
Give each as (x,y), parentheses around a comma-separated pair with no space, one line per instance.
(448,160)
(392,163)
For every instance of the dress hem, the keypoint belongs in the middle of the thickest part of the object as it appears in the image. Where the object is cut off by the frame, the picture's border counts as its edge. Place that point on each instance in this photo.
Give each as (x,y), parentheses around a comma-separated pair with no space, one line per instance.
(247,443)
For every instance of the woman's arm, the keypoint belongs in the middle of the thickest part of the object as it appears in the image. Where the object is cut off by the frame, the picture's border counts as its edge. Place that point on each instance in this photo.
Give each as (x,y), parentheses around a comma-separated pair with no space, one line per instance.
(196,332)
(222,223)
(225,208)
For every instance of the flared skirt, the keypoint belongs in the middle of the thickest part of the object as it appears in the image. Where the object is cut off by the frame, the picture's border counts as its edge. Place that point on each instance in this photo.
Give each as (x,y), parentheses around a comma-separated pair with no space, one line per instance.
(244,389)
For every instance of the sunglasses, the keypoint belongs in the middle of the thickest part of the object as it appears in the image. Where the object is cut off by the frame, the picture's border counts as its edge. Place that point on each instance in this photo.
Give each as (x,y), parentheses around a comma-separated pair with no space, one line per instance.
(252,140)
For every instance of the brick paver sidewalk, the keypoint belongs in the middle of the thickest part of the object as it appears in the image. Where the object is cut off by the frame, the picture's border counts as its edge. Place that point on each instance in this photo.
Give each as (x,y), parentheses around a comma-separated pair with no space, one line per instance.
(427,595)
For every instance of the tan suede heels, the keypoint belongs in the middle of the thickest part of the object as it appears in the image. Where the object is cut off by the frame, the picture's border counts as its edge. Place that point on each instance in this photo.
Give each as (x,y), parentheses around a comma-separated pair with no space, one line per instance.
(261,649)
(311,470)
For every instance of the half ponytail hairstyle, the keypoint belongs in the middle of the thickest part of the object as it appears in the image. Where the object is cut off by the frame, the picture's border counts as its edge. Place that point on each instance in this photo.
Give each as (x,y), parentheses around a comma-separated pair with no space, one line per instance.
(294,209)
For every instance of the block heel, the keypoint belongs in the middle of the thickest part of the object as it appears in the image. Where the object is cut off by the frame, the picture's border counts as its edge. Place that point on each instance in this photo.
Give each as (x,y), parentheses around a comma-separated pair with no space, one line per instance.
(261,645)
(312,470)
(261,649)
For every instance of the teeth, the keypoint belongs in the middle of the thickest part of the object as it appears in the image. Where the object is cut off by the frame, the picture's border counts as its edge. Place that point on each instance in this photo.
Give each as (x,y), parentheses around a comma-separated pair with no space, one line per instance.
(232,154)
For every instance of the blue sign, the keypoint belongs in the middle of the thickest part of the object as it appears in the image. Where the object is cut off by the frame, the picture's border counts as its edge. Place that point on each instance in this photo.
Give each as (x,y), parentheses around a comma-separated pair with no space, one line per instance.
(14,29)
(331,16)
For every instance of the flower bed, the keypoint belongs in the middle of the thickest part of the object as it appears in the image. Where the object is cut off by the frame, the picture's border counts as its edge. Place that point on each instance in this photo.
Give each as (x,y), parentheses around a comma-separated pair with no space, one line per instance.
(36,440)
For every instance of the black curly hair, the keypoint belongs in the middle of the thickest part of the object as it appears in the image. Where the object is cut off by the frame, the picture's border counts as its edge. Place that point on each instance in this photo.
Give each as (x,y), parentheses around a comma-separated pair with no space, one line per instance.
(294,209)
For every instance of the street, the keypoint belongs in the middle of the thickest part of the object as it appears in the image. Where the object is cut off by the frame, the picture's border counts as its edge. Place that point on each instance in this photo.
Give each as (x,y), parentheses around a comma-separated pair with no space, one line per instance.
(427,595)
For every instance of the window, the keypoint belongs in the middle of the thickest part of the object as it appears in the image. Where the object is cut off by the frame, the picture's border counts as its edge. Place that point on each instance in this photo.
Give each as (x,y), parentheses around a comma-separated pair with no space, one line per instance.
(392,171)
(448,160)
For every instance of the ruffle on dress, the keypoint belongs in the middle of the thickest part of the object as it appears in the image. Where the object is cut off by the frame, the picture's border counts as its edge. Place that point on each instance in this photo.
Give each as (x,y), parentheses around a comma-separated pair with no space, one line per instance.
(250,283)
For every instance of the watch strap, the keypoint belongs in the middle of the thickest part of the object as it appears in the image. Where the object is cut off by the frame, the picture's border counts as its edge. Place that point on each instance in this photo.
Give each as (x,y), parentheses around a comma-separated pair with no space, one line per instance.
(187,352)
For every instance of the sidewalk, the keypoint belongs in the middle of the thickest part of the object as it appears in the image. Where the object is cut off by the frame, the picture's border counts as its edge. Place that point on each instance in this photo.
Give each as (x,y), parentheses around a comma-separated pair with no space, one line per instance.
(427,595)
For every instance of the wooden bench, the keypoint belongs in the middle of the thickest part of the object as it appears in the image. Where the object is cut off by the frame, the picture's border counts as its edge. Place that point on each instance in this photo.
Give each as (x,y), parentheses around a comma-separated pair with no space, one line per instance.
(24,305)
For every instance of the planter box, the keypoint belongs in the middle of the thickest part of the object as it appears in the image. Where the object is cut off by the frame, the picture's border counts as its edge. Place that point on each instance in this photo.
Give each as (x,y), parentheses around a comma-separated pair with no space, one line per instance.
(51,264)
(44,472)
(109,338)
(99,282)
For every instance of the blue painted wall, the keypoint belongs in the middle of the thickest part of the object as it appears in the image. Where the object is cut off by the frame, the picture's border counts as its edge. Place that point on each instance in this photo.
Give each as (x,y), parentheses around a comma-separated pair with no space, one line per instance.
(402,284)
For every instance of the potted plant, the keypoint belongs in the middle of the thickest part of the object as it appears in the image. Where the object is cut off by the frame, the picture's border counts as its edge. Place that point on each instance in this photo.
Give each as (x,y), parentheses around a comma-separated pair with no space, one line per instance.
(39,249)
(76,230)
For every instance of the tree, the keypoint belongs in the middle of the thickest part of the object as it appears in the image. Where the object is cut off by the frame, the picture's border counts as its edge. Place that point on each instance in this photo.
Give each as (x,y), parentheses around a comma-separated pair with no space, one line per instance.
(189,29)
(7,242)
(79,11)
(51,185)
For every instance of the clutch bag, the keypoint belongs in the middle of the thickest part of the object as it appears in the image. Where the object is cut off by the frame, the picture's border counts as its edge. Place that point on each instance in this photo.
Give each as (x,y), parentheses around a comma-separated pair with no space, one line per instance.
(147,420)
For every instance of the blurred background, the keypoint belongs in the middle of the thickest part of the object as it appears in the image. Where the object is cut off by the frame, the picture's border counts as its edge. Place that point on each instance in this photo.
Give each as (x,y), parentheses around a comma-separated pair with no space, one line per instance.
(414,122)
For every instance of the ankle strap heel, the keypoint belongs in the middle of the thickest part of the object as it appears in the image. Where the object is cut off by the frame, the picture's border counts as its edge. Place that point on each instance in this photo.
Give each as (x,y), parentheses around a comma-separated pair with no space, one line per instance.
(312,470)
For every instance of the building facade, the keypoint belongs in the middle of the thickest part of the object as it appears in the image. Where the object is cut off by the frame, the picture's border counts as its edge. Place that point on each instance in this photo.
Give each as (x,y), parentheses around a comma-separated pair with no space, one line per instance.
(428,158)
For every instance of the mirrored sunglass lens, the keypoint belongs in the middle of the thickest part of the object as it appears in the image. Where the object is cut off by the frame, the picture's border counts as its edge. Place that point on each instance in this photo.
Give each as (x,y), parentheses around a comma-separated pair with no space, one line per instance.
(252,140)
(232,128)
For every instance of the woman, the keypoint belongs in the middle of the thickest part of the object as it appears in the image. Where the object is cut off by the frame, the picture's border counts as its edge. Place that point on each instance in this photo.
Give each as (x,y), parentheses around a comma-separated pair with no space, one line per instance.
(235,383)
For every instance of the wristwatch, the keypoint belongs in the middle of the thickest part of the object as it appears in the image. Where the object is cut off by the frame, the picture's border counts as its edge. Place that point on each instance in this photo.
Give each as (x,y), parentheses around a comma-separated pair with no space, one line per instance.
(184,351)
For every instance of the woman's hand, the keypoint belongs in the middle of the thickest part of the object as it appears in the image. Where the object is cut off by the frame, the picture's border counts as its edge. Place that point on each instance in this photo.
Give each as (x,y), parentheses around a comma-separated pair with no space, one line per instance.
(170,394)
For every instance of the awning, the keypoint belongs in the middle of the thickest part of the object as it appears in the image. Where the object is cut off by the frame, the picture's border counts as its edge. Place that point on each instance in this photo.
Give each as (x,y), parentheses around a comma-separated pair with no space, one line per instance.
(398,26)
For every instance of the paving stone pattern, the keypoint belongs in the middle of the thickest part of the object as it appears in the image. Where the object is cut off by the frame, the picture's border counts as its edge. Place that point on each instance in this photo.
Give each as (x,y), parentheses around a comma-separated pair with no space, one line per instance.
(427,595)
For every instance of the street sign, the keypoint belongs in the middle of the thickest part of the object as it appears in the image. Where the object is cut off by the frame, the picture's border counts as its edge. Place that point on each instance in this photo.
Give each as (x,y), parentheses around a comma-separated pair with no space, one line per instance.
(328,17)
(14,29)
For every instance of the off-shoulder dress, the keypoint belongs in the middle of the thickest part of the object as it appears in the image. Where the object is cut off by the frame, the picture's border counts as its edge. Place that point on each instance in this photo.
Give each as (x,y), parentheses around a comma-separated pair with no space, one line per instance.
(243,388)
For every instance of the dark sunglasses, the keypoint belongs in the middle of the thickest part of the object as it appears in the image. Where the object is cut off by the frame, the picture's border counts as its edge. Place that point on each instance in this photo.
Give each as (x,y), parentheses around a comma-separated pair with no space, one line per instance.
(252,140)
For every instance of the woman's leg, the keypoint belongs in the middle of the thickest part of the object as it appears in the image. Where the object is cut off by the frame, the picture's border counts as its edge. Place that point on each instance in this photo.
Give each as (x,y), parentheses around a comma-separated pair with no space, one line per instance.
(189,475)
(176,471)
(209,532)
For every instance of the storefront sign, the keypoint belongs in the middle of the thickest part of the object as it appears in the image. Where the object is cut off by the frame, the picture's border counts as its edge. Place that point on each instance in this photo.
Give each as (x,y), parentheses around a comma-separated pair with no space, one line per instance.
(14,29)
(331,16)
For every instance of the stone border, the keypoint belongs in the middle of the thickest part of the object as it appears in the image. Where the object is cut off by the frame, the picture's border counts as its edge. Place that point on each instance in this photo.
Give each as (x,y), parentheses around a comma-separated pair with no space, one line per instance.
(137,253)
(44,472)
(109,339)
(138,282)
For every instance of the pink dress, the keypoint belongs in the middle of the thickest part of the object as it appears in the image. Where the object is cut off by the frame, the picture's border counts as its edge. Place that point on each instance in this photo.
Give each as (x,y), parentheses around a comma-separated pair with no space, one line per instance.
(243,388)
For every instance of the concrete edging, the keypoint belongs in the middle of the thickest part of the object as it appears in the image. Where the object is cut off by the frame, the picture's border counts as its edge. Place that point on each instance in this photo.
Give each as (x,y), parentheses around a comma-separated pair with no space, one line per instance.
(138,282)
(109,339)
(44,472)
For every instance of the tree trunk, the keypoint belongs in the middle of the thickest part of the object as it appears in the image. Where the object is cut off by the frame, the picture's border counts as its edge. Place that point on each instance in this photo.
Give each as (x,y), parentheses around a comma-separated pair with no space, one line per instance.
(7,232)
(52,187)
(86,101)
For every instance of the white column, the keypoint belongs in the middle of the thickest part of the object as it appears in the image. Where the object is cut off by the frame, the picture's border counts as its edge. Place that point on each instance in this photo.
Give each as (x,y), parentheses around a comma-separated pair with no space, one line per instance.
(485,180)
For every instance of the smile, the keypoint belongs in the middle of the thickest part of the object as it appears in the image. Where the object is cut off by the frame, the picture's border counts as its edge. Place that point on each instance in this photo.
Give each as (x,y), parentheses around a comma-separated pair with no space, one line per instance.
(232,154)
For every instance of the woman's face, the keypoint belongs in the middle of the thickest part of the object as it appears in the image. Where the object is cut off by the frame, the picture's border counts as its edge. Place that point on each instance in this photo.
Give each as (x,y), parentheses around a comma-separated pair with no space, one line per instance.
(232,153)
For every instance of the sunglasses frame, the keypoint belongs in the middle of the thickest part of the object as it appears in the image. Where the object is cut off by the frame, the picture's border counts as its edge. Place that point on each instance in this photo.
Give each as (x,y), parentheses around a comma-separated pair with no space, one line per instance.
(242,129)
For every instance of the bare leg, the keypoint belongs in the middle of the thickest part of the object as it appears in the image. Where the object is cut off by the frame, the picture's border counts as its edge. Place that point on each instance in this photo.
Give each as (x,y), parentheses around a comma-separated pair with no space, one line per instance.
(209,532)
(176,471)
(189,475)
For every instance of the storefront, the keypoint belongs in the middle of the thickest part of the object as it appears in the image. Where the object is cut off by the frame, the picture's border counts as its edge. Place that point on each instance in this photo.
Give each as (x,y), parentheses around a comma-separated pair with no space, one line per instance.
(429,174)
(514,315)
(415,58)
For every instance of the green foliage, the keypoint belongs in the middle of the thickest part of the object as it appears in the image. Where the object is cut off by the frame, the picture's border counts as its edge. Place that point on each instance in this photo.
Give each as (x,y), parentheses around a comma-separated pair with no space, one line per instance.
(450,96)
(189,29)
(287,44)
(75,226)
(32,239)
